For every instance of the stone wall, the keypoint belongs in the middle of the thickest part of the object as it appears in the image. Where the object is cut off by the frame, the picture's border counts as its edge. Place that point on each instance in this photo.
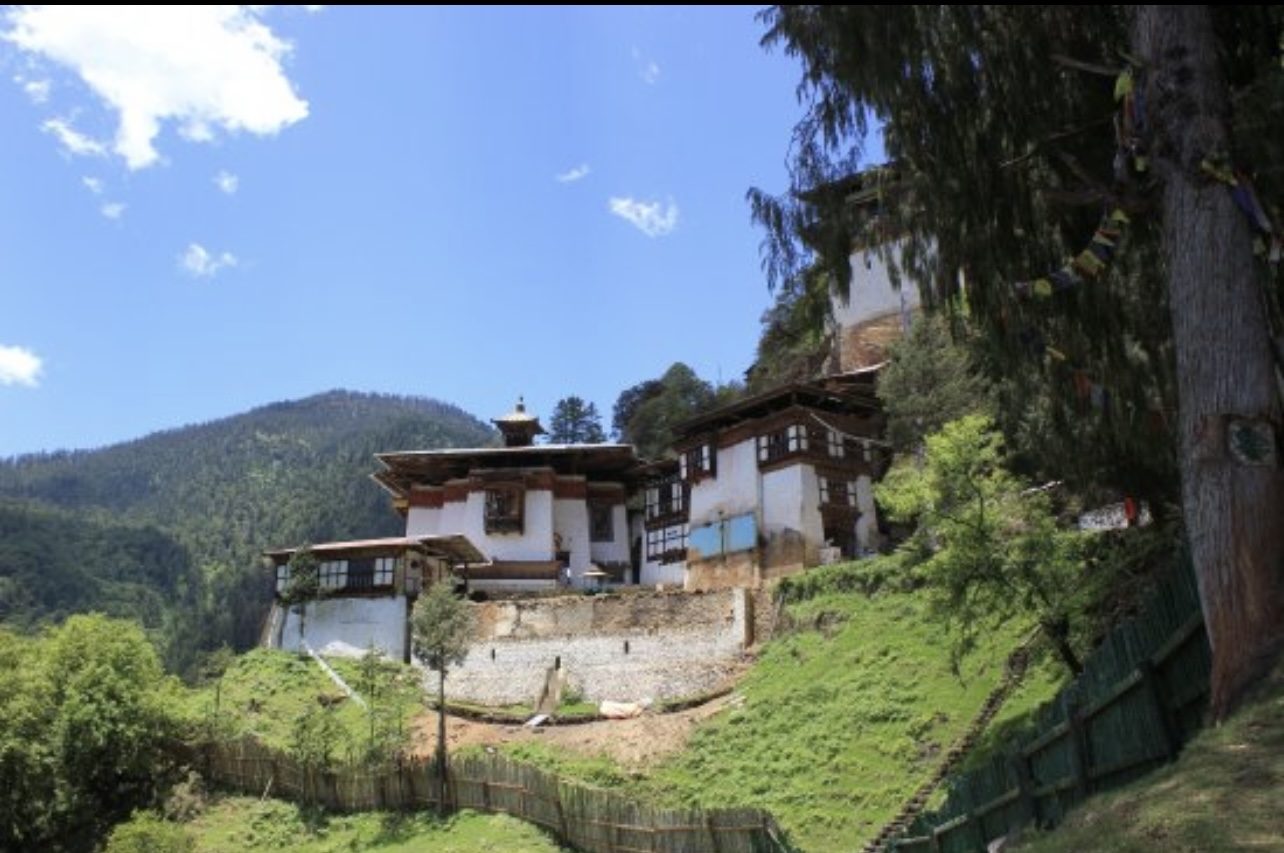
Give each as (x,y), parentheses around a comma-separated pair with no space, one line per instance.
(628,647)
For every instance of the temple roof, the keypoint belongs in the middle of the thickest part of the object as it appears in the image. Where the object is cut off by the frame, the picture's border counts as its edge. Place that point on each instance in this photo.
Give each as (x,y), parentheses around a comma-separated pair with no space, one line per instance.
(518,427)
(402,470)
(849,393)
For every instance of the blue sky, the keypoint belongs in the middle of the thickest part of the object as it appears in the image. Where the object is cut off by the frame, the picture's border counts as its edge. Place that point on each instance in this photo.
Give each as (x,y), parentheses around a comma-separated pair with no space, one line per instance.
(207,209)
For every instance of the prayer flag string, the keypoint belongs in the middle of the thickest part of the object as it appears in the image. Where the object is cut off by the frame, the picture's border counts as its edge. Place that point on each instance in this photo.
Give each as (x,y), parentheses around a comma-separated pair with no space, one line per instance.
(1092,261)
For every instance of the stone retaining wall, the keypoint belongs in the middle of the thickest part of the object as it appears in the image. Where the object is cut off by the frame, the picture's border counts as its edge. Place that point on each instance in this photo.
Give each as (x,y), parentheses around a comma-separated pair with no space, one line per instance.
(628,647)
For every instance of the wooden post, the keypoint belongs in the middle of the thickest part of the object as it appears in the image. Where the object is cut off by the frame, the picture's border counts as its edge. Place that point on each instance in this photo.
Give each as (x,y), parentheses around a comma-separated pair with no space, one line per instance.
(1079,745)
(1027,810)
(1169,740)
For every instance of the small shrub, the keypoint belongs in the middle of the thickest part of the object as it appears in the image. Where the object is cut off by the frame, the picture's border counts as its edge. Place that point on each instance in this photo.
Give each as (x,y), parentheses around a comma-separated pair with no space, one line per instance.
(867,577)
(147,832)
(186,799)
(572,695)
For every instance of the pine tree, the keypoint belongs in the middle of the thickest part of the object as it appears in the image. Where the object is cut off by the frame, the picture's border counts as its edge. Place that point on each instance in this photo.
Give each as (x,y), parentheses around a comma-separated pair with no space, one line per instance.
(575,422)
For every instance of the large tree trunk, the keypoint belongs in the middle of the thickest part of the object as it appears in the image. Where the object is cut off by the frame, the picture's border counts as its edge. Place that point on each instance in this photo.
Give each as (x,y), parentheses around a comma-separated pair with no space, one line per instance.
(1232,483)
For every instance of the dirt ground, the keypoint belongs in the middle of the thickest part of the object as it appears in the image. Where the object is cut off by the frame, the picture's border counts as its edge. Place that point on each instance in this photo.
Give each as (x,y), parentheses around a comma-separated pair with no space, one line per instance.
(634,743)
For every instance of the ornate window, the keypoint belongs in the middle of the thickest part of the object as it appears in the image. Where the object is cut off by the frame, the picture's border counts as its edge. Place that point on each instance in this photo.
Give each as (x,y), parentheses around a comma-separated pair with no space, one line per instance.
(666,499)
(836,492)
(667,544)
(834,444)
(698,462)
(505,509)
(333,574)
(356,574)
(786,441)
(370,573)
(601,521)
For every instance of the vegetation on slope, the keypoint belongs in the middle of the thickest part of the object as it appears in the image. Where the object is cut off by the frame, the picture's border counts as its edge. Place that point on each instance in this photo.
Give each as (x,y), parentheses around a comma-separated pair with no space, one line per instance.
(277,697)
(846,711)
(186,513)
(249,823)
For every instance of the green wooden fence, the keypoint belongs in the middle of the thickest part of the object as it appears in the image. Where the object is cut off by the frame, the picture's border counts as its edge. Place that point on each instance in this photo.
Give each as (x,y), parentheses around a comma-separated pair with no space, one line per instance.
(586,819)
(1142,696)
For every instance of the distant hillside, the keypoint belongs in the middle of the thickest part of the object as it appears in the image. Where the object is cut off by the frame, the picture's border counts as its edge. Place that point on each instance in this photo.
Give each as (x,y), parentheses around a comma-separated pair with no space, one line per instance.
(197,505)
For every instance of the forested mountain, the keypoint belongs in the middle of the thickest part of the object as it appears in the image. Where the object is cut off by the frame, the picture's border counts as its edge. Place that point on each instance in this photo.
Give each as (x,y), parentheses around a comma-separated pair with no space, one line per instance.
(168,529)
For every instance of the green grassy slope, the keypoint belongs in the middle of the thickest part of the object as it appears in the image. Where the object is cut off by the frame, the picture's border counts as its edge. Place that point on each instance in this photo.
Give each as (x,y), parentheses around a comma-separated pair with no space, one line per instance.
(845,713)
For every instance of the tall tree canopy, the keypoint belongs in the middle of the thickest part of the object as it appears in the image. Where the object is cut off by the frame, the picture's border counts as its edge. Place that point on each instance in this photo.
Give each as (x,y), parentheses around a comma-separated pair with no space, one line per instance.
(796,343)
(654,408)
(85,714)
(575,422)
(1141,143)
(990,549)
(929,380)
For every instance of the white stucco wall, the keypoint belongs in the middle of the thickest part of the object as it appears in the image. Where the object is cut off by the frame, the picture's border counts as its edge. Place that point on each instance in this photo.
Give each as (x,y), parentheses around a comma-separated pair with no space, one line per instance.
(617,550)
(871,293)
(423,521)
(337,624)
(784,493)
(570,521)
(653,572)
(809,520)
(667,574)
(535,542)
(734,491)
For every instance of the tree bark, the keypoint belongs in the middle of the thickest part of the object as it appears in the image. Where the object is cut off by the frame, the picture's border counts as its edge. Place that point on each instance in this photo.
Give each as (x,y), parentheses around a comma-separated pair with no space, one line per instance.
(1229,408)
(441,741)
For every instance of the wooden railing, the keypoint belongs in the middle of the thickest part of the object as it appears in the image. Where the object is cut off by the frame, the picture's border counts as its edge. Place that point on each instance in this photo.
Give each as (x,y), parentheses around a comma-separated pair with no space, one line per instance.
(1142,696)
(586,819)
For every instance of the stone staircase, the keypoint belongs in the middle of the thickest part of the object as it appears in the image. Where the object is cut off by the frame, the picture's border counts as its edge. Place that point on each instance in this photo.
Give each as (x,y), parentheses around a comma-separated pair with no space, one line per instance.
(1014,672)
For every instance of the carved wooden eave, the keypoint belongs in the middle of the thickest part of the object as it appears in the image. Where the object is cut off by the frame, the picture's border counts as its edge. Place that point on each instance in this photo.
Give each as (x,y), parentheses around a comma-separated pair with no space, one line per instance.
(843,394)
(455,549)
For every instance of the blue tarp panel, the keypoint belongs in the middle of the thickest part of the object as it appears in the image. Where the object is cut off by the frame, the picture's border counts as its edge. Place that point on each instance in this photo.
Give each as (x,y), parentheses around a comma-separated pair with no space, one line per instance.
(738,533)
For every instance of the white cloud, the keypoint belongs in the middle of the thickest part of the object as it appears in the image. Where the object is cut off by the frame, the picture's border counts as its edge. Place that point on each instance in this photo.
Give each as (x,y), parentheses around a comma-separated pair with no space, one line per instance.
(37,90)
(72,140)
(579,172)
(197,261)
(648,69)
(651,218)
(203,68)
(109,209)
(227,182)
(19,366)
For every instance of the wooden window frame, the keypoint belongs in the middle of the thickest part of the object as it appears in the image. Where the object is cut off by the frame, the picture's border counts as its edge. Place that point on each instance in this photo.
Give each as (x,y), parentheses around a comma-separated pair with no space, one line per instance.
(785,442)
(665,500)
(667,544)
(505,510)
(837,491)
(698,463)
(601,521)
